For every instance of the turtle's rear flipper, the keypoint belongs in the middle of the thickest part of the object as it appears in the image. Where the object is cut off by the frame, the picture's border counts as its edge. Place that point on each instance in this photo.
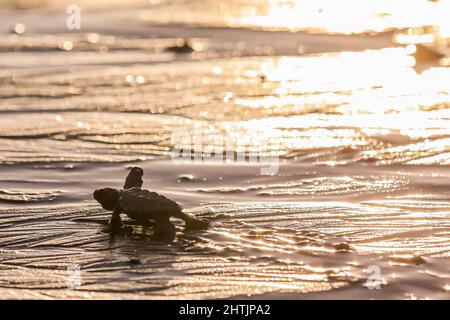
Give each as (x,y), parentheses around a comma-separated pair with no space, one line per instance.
(192,223)
(196,224)
(164,230)
(134,178)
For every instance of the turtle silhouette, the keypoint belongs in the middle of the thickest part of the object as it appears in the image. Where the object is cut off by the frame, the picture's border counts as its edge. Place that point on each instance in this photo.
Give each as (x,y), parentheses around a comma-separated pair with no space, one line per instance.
(143,206)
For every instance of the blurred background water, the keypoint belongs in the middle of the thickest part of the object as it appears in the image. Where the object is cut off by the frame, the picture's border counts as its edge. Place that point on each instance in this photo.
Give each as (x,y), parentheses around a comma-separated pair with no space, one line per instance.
(352,97)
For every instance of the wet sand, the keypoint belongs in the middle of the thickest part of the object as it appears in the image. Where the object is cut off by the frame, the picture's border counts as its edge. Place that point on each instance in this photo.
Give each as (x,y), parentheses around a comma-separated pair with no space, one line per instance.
(362,138)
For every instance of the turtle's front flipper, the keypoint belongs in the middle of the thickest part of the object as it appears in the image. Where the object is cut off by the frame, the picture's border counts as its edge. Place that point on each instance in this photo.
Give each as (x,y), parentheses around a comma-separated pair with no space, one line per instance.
(164,229)
(134,178)
(196,224)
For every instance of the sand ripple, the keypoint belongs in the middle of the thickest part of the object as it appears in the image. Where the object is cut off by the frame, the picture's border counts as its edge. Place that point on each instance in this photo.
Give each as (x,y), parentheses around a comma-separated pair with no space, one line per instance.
(252,248)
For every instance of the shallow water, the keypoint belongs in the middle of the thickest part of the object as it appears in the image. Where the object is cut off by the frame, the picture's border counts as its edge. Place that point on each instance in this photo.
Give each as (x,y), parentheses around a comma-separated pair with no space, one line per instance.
(260,242)
(357,128)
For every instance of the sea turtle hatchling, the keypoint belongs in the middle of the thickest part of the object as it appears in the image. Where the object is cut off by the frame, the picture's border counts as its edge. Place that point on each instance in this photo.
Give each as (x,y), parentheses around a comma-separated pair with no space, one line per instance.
(143,205)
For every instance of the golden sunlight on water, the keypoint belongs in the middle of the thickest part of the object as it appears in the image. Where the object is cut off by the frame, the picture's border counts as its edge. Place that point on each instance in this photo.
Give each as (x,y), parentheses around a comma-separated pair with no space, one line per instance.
(345,17)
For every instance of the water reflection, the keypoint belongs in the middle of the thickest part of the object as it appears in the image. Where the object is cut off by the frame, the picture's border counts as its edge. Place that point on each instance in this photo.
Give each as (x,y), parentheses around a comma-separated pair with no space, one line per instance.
(348,16)
(344,17)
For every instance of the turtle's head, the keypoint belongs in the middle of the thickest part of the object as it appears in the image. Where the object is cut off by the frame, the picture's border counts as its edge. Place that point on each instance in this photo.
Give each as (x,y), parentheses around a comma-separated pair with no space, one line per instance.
(107,197)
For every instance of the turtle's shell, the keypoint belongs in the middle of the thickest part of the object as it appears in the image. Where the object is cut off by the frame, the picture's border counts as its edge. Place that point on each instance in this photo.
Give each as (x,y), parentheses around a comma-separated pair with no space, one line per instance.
(140,204)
